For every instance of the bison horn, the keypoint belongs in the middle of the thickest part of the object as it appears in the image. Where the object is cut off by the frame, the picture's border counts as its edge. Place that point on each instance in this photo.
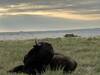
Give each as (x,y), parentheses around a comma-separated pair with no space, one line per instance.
(36,42)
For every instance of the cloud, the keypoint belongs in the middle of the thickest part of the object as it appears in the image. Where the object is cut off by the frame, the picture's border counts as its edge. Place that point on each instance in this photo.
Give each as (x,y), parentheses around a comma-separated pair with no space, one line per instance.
(9,2)
(3,10)
(55,14)
(77,9)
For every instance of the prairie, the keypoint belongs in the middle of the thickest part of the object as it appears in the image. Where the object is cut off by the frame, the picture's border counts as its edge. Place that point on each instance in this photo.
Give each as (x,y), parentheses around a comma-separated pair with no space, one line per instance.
(86,51)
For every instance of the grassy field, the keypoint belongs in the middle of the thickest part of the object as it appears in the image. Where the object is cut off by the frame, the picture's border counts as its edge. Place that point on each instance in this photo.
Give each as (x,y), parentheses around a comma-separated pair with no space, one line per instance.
(86,51)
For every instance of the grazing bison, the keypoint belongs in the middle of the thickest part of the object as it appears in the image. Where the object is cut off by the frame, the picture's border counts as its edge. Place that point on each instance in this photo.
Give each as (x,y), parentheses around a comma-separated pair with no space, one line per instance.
(39,56)
(65,63)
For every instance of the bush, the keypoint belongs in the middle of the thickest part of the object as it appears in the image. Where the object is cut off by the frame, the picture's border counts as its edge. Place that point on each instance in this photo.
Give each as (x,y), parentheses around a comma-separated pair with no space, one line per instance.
(70,35)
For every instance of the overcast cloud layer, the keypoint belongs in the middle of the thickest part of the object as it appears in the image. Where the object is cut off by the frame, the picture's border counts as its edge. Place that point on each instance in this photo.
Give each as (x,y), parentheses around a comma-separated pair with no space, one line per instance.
(48,14)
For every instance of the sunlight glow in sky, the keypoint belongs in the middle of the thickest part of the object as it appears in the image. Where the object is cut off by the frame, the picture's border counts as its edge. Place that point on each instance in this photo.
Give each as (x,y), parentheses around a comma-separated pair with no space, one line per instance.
(60,14)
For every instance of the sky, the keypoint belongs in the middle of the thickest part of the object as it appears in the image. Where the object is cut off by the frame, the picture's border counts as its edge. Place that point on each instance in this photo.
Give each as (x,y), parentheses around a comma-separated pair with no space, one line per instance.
(43,15)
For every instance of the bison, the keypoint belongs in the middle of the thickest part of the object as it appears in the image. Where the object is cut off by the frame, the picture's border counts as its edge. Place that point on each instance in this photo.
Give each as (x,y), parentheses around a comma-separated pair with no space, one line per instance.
(36,59)
(41,56)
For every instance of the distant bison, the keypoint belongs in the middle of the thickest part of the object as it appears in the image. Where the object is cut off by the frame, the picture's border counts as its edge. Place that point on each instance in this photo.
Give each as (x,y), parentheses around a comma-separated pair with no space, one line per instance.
(39,56)
(65,63)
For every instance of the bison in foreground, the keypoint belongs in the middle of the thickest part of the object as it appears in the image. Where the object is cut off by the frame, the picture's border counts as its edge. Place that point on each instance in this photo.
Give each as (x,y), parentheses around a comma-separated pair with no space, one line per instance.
(41,56)
(37,59)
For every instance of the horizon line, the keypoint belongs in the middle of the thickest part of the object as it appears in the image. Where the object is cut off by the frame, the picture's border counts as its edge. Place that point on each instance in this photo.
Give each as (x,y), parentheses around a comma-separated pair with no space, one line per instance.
(45,30)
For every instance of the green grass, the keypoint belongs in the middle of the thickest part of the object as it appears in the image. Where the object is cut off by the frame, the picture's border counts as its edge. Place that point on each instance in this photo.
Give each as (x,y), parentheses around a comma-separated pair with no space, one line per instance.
(86,51)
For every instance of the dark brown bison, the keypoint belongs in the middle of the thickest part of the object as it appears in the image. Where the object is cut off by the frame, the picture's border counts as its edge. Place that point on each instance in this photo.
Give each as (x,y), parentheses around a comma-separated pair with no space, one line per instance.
(42,55)
(59,61)
(37,59)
